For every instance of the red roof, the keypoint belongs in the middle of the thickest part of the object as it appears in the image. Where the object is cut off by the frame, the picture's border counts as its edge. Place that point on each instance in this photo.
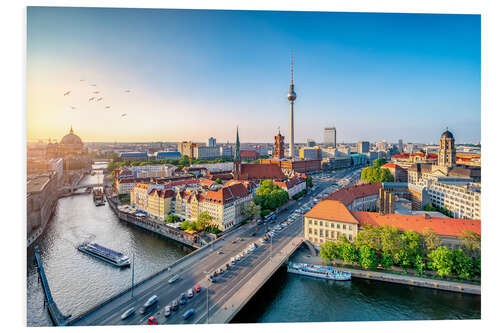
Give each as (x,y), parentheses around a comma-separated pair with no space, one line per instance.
(261,171)
(289,183)
(348,194)
(442,226)
(332,211)
(390,165)
(226,194)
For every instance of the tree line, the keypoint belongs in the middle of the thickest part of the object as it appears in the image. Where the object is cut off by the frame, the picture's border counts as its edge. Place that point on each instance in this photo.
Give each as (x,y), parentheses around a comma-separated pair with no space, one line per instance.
(385,247)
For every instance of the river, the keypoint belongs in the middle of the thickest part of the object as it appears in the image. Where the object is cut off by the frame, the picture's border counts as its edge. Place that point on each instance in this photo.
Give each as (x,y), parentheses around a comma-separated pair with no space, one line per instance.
(79,281)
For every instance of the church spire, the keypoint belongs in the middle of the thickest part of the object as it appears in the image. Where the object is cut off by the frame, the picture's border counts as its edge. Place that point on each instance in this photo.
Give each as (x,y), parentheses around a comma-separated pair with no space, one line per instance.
(237,156)
(71,129)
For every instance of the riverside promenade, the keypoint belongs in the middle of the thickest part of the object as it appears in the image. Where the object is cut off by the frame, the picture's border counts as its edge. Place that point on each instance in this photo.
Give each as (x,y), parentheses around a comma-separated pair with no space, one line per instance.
(467,288)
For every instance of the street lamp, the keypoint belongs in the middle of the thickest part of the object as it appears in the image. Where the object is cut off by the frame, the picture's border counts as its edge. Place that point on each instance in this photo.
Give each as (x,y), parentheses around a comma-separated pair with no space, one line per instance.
(133,269)
(208,289)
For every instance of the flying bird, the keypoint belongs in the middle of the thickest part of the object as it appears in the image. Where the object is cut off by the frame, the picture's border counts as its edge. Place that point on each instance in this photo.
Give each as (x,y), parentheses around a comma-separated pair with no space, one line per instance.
(67,93)
(91,99)
(81,80)
(108,107)
(93,85)
(73,108)
(96,92)
(127,91)
(99,99)
(124,114)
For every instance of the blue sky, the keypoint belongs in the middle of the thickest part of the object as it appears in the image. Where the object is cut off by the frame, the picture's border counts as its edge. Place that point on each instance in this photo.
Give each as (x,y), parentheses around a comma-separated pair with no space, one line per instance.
(195,74)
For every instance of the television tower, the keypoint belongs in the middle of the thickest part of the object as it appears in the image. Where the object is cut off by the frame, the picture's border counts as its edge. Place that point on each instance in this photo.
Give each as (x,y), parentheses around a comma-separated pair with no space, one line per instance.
(291,97)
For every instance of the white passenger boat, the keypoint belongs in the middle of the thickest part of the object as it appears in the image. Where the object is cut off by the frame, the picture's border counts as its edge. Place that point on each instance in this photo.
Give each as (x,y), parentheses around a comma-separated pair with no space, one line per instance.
(324,272)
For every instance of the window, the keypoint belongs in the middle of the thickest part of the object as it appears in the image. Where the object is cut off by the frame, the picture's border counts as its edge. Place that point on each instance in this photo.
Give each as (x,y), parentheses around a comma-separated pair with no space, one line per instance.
(350,227)
(338,226)
(321,232)
(310,231)
(350,237)
(343,226)
(320,223)
(326,234)
(315,231)
(315,222)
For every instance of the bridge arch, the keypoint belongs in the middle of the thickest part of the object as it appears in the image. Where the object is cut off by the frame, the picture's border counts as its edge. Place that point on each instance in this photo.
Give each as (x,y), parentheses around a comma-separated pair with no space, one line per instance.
(311,247)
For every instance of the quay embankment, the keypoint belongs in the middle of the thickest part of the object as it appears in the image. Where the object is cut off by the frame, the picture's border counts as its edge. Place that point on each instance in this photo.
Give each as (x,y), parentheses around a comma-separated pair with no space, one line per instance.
(417,281)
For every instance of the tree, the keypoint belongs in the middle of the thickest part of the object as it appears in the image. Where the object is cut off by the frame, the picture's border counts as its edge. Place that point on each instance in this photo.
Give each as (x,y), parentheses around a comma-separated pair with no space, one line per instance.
(309,181)
(367,257)
(430,208)
(471,243)
(419,264)
(379,162)
(171,218)
(411,246)
(347,251)
(431,240)
(373,174)
(251,210)
(328,251)
(442,261)
(218,181)
(386,260)
(186,225)
(270,196)
(463,265)
(203,221)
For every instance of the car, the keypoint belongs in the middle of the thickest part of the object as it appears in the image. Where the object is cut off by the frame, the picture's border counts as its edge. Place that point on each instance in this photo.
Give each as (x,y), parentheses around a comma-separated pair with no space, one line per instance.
(152,300)
(215,273)
(242,239)
(238,257)
(197,288)
(190,293)
(234,242)
(233,261)
(253,234)
(228,266)
(168,311)
(175,305)
(152,321)
(173,279)
(221,270)
(220,252)
(182,299)
(188,314)
(128,313)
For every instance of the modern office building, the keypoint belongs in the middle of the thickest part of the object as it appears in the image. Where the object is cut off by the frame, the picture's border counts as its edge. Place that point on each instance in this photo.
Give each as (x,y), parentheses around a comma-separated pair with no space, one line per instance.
(310,143)
(206,152)
(211,142)
(330,137)
(306,153)
(400,145)
(134,156)
(363,147)
(167,155)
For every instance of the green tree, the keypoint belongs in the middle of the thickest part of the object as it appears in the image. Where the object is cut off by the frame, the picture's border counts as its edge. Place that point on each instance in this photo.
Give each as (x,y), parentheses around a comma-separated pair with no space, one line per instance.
(328,251)
(347,251)
(431,240)
(419,264)
(251,210)
(442,261)
(309,182)
(379,162)
(386,260)
(373,174)
(430,208)
(367,257)
(471,243)
(186,225)
(463,265)
(203,221)
(171,218)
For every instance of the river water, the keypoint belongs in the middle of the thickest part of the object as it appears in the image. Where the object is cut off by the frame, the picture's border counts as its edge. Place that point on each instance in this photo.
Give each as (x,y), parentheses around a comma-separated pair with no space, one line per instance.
(78,281)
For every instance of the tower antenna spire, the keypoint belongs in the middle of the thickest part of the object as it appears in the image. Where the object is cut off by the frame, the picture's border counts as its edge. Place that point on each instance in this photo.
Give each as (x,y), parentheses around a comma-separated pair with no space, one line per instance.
(291,67)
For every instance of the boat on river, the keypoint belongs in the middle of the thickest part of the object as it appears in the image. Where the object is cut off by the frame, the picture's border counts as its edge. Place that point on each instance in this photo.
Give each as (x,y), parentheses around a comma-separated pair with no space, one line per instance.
(323,272)
(105,254)
(98,196)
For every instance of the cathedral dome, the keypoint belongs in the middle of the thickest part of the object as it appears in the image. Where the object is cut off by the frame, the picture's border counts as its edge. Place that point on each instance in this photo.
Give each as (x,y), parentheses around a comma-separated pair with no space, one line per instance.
(71,139)
(447,135)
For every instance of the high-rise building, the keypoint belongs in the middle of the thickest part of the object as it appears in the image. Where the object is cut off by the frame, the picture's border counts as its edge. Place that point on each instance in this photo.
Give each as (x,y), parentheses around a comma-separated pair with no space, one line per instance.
(363,147)
(330,137)
(211,142)
(279,146)
(291,97)
(400,145)
(310,143)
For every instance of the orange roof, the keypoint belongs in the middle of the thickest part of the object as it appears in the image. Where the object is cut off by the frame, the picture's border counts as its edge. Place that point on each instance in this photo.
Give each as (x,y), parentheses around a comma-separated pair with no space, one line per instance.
(390,165)
(442,226)
(348,194)
(331,210)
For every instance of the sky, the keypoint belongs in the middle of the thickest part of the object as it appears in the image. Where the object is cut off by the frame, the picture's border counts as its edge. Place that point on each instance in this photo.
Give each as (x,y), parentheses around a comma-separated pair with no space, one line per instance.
(193,74)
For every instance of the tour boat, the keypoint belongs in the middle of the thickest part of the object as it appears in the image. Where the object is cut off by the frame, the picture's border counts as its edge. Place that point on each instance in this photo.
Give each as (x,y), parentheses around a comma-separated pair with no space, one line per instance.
(98,197)
(105,254)
(324,272)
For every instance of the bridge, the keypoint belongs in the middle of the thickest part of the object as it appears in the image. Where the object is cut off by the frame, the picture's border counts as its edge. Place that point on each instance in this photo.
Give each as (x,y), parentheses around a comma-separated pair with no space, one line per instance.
(57,317)
(217,302)
(72,188)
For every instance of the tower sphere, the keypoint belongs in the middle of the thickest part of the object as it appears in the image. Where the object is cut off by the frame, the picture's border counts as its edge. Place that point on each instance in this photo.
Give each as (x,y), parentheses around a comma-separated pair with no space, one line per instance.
(292,96)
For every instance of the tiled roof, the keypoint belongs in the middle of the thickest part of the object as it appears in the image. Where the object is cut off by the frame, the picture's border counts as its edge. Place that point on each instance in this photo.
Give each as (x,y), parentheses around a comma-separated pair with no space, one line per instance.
(163,193)
(390,165)
(348,194)
(261,171)
(331,210)
(289,183)
(226,194)
(442,226)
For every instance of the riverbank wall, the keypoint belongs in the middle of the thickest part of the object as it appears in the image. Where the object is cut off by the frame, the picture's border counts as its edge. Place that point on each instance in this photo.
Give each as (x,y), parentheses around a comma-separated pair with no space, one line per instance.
(467,288)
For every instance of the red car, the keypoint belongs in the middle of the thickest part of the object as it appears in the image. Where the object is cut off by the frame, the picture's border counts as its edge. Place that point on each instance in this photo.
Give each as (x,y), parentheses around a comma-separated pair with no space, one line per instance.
(152,321)
(197,288)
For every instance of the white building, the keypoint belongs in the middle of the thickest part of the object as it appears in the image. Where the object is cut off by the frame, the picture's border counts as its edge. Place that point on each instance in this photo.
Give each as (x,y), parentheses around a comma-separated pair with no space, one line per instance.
(460,196)
(206,153)
(152,170)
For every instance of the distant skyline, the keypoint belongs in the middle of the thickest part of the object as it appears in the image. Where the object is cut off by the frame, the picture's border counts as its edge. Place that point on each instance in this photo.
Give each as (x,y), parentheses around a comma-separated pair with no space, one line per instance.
(193,74)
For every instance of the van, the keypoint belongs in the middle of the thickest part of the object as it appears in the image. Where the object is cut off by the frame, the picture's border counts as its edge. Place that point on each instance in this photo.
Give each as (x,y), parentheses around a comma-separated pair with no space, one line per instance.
(152,300)
(128,313)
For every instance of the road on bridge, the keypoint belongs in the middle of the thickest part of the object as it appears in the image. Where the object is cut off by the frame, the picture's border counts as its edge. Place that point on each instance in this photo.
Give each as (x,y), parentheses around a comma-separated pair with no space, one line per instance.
(194,271)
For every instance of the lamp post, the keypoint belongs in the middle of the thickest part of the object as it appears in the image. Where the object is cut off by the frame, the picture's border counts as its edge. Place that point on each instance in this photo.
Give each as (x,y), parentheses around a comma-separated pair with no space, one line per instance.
(133,269)
(208,289)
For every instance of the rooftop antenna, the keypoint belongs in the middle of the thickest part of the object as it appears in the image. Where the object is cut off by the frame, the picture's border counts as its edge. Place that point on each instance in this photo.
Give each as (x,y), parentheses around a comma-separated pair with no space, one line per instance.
(291,67)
